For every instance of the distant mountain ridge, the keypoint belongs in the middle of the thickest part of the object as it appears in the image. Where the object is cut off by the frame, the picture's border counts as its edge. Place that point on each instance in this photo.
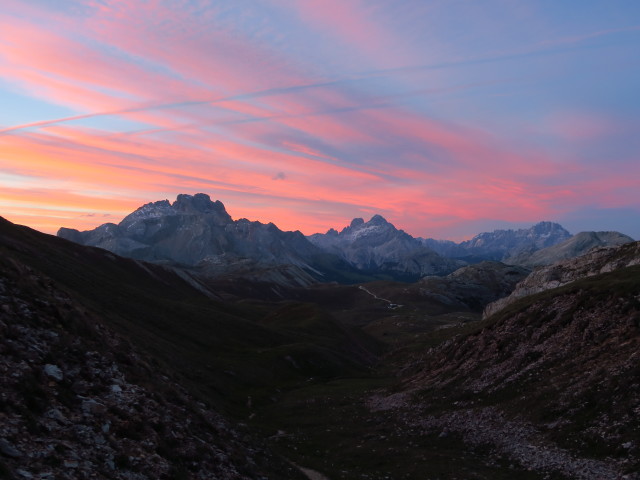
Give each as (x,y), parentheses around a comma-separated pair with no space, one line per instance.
(500,245)
(572,247)
(197,233)
(377,245)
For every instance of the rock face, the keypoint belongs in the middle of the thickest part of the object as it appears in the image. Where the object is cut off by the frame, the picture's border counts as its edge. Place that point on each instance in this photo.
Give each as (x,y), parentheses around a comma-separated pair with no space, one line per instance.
(599,260)
(378,246)
(473,286)
(502,244)
(78,401)
(573,247)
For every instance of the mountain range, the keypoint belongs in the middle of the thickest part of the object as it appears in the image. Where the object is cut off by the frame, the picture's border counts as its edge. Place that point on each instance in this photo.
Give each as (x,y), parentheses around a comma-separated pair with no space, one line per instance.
(502,244)
(197,233)
(201,353)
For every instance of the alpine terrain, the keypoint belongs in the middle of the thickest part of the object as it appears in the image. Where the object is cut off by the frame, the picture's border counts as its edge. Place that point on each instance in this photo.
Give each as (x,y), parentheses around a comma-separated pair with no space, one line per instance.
(183,344)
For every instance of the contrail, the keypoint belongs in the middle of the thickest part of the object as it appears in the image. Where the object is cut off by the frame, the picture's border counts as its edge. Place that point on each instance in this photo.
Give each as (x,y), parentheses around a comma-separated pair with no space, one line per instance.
(331,83)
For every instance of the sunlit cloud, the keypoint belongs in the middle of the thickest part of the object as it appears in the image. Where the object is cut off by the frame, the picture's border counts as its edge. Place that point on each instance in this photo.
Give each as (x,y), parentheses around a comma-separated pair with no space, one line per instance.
(308,113)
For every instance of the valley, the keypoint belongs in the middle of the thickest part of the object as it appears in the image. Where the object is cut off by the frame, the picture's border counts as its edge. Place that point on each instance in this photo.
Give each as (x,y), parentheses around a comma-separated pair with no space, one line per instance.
(375,380)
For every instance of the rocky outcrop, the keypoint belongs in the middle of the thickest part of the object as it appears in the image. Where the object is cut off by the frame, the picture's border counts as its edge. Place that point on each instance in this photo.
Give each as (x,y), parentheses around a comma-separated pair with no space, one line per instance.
(599,260)
(378,246)
(573,247)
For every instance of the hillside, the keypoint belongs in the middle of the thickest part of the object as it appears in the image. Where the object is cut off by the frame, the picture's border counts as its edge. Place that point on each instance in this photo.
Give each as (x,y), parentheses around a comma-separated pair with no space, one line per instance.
(170,344)
(598,260)
(78,400)
(551,382)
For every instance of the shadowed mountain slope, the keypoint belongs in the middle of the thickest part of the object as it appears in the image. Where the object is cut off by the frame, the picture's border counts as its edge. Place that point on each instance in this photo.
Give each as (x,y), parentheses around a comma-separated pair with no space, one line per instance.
(473,286)
(183,319)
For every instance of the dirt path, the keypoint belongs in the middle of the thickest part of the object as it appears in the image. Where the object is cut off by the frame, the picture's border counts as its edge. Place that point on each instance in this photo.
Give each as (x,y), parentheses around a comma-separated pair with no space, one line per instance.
(374,295)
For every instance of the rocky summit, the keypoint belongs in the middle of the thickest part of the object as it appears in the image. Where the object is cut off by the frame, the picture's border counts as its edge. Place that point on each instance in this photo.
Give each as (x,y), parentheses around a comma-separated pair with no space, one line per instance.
(194,229)
(378,246)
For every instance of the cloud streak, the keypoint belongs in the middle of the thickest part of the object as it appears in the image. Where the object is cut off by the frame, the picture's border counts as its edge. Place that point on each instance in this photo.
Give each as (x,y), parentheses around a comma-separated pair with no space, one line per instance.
(310,113)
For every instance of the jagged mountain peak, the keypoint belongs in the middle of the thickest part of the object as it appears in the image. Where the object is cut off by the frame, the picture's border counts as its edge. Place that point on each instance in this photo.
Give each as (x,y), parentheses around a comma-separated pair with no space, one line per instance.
(376,227)
(151,210)
(540,229)
(378,220)
(358,226)
(500,244)
(574,246)
(547,228)
(379,246)
(198,203)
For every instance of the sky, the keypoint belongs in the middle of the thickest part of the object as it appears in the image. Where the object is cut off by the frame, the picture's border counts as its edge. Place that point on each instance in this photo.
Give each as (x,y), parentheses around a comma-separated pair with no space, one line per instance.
(447,117)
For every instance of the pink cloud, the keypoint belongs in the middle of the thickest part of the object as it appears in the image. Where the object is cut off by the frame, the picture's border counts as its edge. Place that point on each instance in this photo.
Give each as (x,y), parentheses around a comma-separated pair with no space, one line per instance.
(223,111)
(579,126)
(356,25)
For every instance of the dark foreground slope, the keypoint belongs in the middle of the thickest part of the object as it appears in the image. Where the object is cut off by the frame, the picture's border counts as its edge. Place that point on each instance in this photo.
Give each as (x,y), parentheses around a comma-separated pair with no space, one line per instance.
(552,382)
(78,401)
